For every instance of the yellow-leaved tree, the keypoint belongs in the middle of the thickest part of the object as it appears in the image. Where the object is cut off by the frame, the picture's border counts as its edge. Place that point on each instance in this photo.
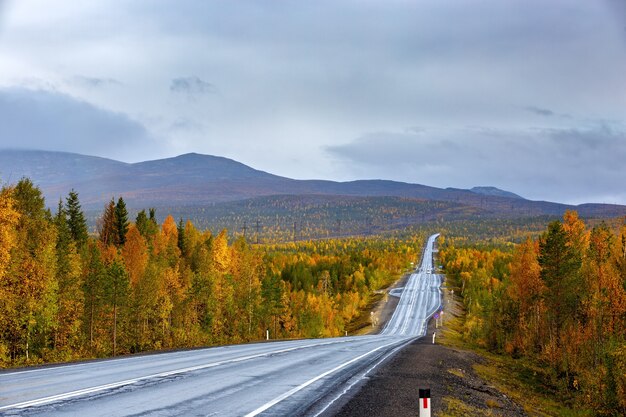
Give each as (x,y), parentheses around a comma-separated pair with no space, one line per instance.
(8,220)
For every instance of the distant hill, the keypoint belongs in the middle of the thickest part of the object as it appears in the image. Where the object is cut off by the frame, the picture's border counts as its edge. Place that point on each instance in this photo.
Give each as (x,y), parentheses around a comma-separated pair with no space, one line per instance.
(314,216)
(493,191)
(194,180)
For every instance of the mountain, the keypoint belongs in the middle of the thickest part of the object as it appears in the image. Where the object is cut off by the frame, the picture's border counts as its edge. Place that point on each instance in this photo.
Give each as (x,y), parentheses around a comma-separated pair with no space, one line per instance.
(493,191)
(194,180)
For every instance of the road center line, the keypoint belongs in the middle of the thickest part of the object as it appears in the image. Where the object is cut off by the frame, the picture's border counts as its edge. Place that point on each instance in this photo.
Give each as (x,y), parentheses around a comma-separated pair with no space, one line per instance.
(310,381)
(363,375)
(99,388)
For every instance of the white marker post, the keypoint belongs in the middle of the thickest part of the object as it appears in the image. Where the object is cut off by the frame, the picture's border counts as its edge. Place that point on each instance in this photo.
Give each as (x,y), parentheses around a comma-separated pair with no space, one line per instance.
(267,335)
(424,402)
(434,335)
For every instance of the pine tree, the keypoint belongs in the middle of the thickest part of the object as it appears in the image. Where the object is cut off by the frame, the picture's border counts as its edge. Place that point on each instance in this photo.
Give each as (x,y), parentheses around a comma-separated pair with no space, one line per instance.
(560,271)
(121,221)
(63,231)
(147,226)
(181,236)
(141,221)
(76,219)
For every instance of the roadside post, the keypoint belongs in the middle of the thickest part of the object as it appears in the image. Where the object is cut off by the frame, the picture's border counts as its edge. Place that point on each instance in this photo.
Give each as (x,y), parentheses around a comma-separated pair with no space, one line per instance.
(424,402)
(267,334)
(434,335)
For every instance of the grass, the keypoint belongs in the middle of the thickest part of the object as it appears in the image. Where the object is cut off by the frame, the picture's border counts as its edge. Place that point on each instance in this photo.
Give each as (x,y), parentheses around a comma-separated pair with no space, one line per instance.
(362,324)
(493,403)
(453,407)
(522,381)
(457,372)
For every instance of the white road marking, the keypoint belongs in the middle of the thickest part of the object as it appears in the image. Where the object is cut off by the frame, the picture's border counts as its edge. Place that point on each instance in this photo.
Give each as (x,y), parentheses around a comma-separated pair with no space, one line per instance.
(99,388)
(63,367)
(406,322)
(360,378)
(312,380)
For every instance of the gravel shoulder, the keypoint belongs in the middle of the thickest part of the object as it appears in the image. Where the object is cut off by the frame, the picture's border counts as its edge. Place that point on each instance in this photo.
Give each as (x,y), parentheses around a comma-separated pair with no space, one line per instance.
(456,389)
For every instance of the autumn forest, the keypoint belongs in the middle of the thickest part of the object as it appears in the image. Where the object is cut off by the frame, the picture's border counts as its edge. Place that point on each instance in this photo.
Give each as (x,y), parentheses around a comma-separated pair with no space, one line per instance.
(141,285)
(558,300)
(551,292)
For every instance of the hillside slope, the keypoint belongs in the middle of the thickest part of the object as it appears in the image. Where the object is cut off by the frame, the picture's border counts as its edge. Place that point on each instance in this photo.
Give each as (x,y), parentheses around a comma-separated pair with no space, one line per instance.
(197,180)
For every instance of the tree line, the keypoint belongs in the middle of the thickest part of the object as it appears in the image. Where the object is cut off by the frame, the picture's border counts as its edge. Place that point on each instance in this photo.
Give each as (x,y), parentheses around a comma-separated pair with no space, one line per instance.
(559,300)
(139,285)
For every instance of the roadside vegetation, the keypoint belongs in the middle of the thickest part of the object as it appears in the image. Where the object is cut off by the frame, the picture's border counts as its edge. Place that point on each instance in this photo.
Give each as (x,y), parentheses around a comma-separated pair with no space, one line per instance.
(140,286)
(548,313)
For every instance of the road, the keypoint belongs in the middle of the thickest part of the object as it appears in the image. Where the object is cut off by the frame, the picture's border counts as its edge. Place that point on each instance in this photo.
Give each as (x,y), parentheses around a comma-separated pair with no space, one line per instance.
(285,378)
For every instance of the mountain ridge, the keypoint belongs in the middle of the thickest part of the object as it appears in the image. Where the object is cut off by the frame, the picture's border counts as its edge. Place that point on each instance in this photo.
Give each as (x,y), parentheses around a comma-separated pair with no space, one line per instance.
(494,191)
(194,179)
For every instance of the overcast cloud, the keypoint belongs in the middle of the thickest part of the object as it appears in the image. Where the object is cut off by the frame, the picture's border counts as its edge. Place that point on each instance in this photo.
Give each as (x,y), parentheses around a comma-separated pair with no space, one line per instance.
(526,95)
(36,119)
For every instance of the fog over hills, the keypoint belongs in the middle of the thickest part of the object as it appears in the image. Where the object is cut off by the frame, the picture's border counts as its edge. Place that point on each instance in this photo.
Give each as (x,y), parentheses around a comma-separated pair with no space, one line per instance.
(194,180)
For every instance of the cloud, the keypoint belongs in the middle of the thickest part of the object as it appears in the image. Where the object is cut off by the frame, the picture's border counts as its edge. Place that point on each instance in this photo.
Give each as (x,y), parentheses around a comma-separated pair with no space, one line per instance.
(40,119)
(192,87)
(184,124)
(94,82)
(276,83)
(547,113)
(572,165)
(539,111)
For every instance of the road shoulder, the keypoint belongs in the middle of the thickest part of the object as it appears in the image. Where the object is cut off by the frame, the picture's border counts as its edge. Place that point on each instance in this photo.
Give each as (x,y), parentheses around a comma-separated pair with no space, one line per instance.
(456,388)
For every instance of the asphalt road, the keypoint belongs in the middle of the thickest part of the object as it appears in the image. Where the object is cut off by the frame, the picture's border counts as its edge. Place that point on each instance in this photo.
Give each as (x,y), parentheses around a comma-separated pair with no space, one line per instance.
(286,378)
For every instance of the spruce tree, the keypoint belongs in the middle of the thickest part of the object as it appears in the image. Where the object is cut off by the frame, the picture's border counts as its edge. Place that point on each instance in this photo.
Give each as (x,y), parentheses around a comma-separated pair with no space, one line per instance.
(153,216)
(121,221)
(63,239)
(181,236)
(153,225)
(63,231)
(142,223)
(76,222)
(560,271)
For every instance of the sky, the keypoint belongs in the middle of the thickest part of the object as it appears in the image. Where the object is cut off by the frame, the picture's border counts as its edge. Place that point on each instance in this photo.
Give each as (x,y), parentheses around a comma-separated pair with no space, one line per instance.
(525,95)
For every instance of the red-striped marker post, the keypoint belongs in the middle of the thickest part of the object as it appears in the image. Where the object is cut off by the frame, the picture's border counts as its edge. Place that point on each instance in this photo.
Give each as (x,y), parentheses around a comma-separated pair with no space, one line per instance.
(424,402)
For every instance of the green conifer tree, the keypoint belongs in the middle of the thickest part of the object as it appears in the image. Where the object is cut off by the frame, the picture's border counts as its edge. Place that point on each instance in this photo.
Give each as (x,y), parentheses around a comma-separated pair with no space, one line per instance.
(76,222)
(181,236)
(141,221)
(121,221)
